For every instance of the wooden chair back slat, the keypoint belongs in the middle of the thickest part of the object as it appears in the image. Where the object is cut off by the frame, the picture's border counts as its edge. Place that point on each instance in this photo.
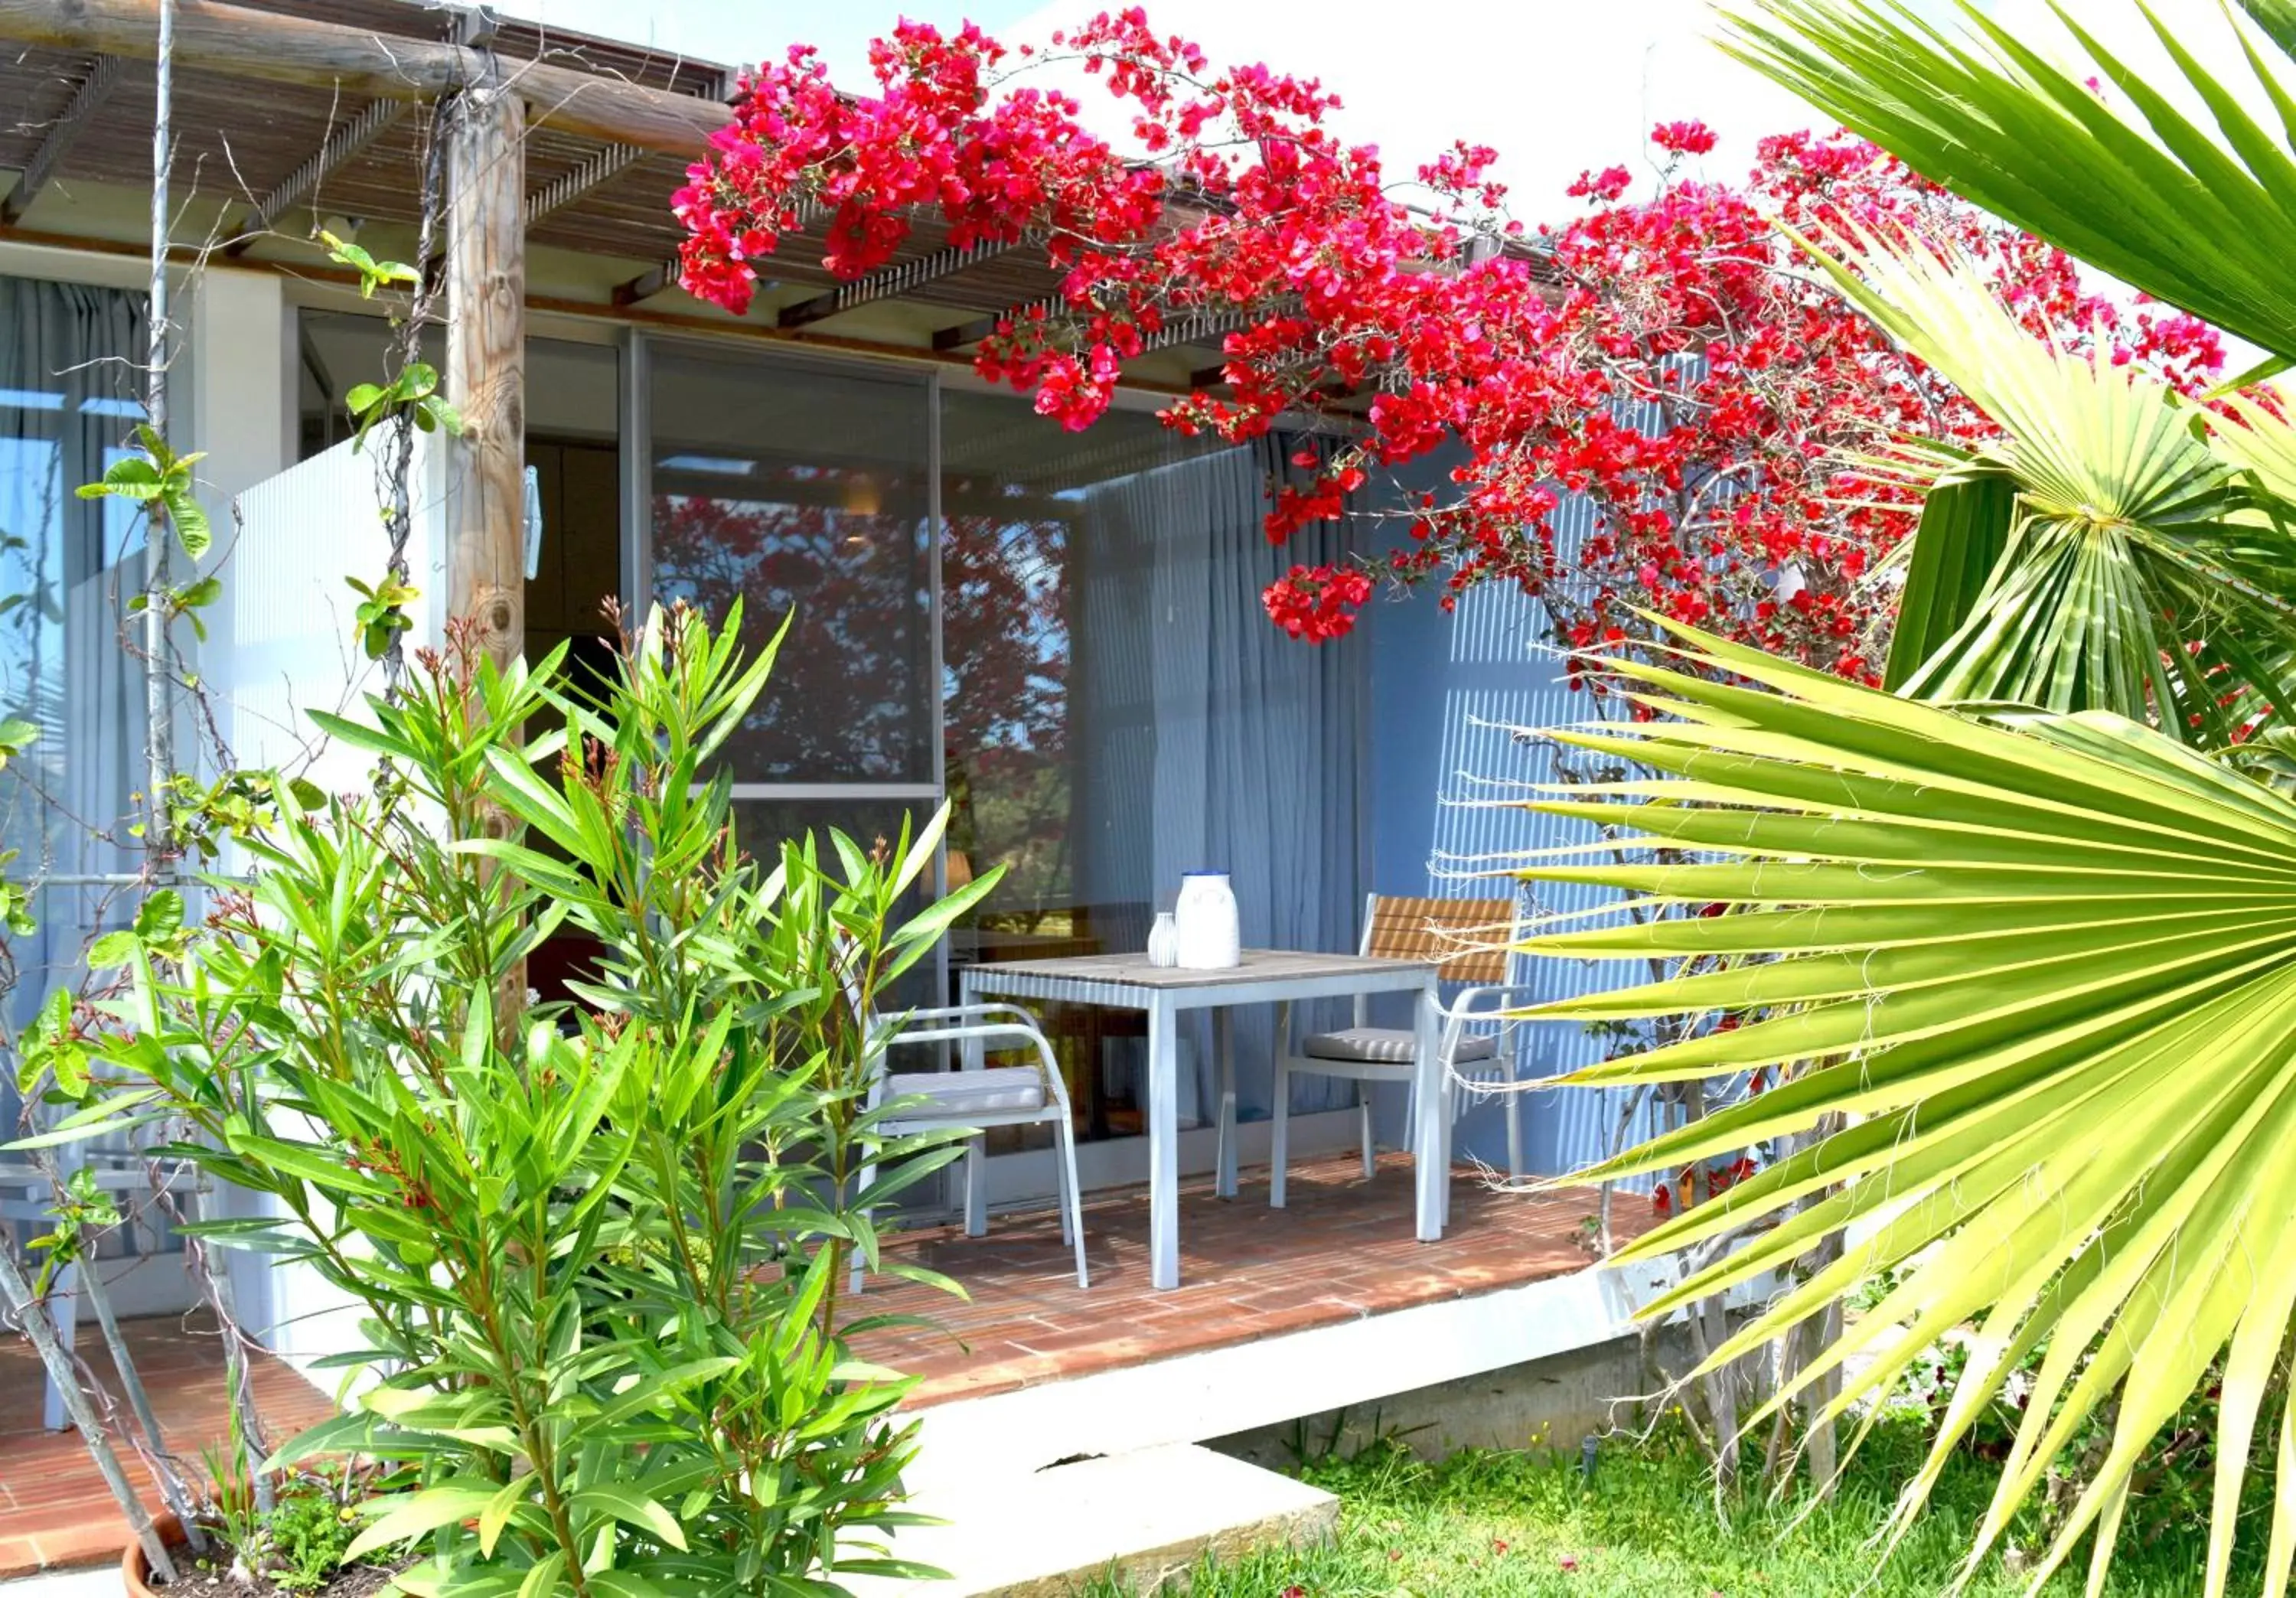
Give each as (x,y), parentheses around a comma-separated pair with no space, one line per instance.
(1470,936)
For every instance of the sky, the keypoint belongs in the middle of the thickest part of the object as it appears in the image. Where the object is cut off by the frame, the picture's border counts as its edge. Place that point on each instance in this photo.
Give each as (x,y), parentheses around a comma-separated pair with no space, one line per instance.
(1556,86)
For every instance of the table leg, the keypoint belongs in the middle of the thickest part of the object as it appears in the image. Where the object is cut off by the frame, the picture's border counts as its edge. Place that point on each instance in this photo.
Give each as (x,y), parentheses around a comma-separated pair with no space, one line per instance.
(1163,1146)
(976,1152)
(1431,1140)
(1224,1046)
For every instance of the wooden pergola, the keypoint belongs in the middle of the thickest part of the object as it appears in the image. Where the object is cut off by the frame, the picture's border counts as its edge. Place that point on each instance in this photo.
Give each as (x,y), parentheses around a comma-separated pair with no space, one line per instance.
(284,110)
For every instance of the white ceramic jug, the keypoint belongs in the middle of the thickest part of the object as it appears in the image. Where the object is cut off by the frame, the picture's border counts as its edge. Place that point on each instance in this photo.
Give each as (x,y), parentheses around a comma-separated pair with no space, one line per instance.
(1209,939)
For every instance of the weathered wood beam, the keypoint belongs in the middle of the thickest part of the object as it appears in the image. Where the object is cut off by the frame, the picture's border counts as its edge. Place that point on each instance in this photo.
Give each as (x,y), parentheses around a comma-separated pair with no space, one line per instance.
(276,47)
(339,146)
(893,282)
(646,284)
(947,338)
(602,165)
(486,367)
(102,78)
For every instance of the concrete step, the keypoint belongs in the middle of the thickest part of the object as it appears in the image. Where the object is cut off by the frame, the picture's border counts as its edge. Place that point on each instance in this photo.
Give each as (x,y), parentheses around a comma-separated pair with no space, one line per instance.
(1149,1515)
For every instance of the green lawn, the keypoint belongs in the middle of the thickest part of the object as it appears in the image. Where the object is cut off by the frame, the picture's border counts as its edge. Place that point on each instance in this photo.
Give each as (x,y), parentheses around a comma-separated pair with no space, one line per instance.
(1645,1527)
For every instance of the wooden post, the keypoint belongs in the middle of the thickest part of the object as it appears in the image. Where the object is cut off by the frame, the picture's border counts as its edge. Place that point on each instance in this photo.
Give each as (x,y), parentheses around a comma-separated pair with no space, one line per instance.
(486,366)
(485,380)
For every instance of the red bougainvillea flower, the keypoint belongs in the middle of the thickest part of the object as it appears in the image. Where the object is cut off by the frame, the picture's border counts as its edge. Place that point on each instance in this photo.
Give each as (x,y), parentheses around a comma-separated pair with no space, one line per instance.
(1631,412)
(1683,138)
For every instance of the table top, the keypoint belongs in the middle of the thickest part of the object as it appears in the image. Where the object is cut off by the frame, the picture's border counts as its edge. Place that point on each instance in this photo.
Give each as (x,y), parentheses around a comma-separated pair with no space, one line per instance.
(1133,971)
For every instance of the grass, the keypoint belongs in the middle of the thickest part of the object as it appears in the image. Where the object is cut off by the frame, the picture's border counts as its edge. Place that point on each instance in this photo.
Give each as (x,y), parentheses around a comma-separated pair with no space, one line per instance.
(1532,1525)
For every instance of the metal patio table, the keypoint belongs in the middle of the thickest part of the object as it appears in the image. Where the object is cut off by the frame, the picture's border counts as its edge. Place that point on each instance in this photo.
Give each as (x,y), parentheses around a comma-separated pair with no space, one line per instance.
(1266,977)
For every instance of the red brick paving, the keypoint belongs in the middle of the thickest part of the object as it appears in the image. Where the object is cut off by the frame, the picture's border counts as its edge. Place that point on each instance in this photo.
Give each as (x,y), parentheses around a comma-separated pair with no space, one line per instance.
(1341,1249)
(54,1509)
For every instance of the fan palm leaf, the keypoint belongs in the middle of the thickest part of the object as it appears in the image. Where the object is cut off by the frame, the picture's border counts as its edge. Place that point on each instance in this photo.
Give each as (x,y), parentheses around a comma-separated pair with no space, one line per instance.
(2041,970)
(2202,218)
(2129,560)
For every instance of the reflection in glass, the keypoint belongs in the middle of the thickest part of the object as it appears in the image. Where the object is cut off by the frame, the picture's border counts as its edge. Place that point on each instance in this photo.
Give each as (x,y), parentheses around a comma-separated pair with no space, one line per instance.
(804,493)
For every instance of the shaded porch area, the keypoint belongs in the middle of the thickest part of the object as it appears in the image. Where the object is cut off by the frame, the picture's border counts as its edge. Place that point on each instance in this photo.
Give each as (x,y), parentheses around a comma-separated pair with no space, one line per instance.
(1342,1250)
(1340,1258)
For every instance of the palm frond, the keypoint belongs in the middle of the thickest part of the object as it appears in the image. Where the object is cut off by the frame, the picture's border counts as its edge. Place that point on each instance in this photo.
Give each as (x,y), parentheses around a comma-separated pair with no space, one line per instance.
(2202,218)
(2042,972)
(2129,559)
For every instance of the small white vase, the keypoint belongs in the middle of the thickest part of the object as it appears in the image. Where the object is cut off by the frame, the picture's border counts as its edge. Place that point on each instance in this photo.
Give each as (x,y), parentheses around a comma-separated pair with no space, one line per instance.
(1164,940)
(1208,936)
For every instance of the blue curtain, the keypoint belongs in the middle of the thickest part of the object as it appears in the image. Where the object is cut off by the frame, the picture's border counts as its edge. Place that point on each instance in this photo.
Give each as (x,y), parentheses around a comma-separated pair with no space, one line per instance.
(69,379)
(1218,742)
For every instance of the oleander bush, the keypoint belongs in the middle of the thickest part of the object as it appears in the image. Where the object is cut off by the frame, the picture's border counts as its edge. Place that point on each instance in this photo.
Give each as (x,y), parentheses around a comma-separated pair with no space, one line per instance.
(599,1246)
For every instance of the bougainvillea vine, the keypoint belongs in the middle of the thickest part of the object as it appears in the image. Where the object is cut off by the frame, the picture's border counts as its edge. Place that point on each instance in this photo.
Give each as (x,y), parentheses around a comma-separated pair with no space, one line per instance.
(1656,360)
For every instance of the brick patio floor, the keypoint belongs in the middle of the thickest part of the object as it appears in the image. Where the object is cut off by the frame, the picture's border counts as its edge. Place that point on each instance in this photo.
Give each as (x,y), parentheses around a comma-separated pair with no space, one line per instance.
(55,1509)
(1341,1249)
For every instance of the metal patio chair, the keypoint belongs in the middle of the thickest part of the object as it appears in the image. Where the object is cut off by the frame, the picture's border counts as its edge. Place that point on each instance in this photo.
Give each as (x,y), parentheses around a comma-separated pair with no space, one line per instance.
(1470,937)
(1017,1095)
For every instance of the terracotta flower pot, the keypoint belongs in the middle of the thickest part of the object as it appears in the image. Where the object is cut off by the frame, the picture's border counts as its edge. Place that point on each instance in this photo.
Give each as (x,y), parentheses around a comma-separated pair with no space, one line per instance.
(135,1571)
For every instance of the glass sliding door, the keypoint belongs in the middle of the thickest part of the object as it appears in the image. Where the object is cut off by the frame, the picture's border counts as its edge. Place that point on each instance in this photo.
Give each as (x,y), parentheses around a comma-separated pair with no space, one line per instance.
(805,490)
(71,375)
(573,461)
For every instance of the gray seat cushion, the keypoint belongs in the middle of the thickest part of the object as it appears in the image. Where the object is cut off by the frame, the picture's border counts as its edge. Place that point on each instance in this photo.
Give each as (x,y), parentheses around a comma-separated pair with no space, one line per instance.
(1386,1045)
(1001,1090)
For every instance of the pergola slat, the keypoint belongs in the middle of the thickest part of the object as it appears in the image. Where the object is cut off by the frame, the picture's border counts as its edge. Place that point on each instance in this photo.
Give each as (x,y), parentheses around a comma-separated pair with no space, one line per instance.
(341,145)
(102,77)
(895,281)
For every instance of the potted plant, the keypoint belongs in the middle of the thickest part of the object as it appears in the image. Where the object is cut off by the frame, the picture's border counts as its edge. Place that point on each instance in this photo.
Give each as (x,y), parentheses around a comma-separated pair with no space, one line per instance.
(295,1548)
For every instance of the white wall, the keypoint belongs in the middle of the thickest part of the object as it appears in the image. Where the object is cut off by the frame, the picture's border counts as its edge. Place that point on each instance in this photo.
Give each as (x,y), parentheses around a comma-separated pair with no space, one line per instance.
(238,359)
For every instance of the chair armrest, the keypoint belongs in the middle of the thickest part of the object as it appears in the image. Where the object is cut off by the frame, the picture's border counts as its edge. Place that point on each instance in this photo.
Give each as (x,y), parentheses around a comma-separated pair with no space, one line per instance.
(1015,1032)
(886,1029)
(1464,1006)
(951,1012)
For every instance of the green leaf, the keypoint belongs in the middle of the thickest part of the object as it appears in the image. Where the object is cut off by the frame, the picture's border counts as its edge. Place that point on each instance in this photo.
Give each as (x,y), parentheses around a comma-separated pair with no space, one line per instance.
(545,1577)
(112,951)
(499,1509)
(130,477)
(632,1507)
(1963,529)
(406,1515)
(323,1167)
(192,528)
(160,916)
(651,1390)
